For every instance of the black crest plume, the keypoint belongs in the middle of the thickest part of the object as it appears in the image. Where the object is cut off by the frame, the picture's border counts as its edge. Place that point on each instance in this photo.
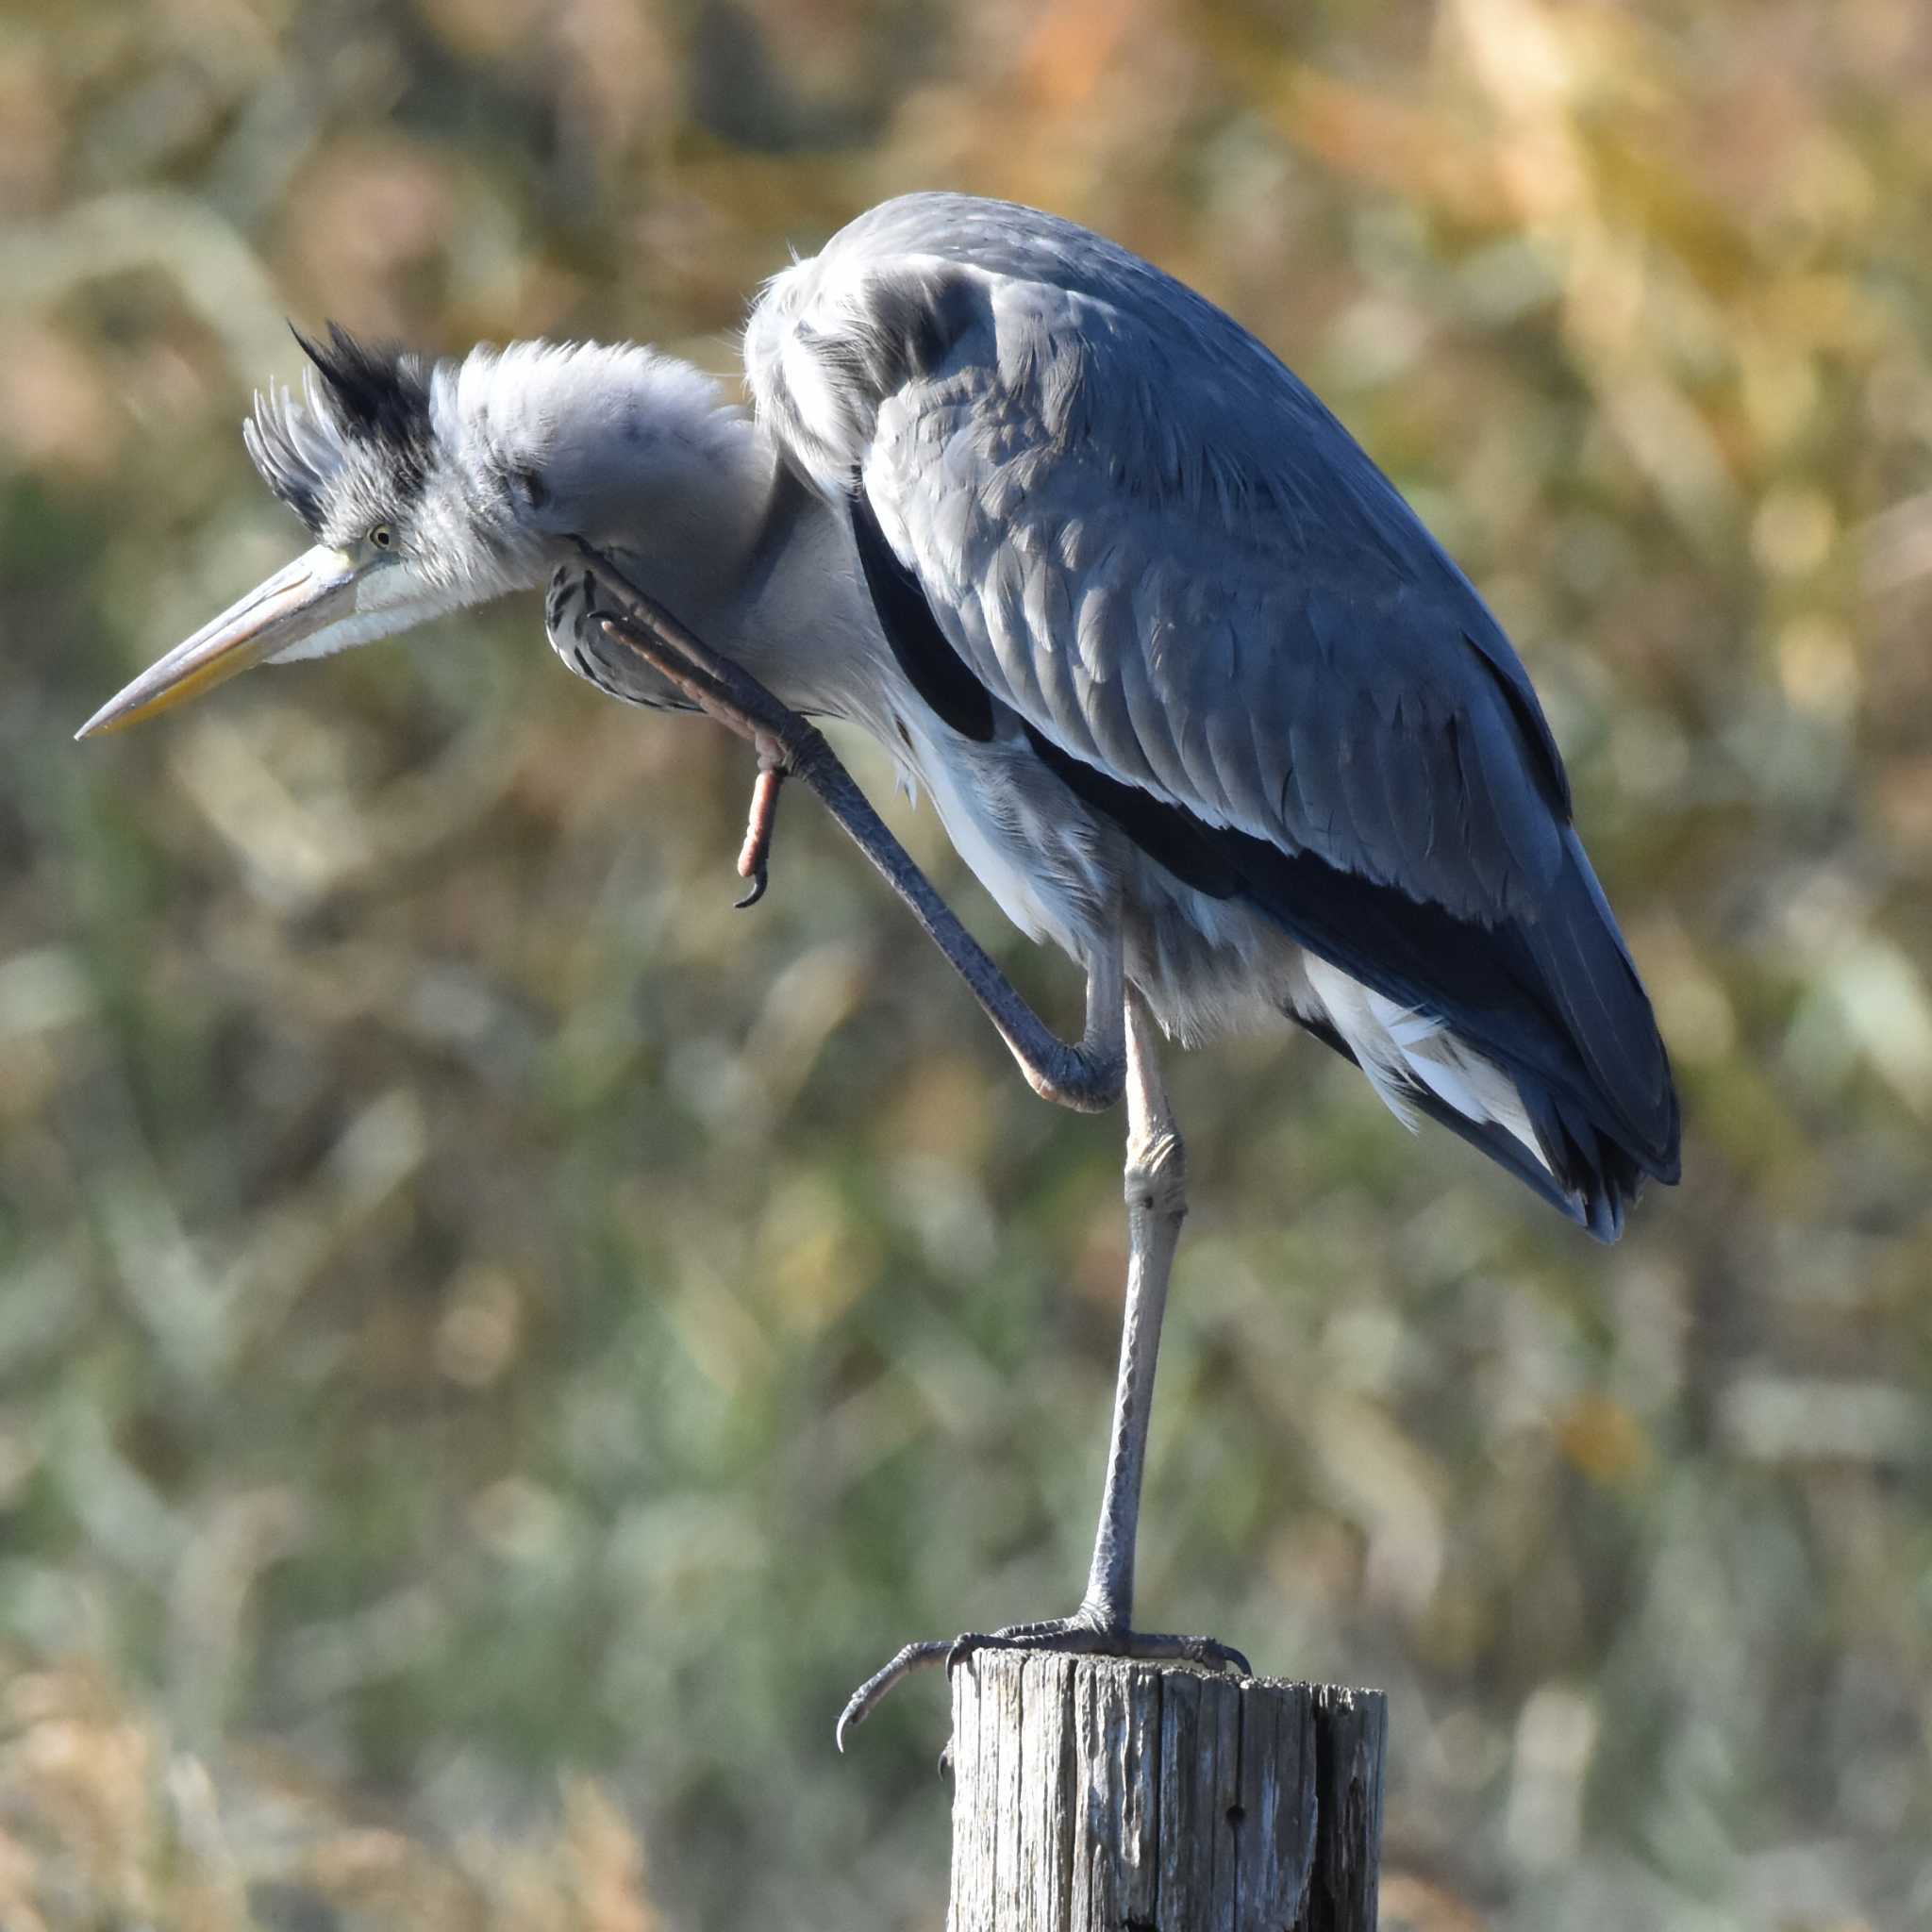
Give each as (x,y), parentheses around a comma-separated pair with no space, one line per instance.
(382,392)
(366,407)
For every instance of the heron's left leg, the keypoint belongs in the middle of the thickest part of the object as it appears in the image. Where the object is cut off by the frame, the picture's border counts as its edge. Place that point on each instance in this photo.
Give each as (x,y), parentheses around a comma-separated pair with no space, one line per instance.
(1085,1075)
(1157,1205)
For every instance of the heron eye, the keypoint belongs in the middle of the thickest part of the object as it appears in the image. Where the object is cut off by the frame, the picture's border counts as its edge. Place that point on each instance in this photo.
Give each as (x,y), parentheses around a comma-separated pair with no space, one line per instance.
(383,536)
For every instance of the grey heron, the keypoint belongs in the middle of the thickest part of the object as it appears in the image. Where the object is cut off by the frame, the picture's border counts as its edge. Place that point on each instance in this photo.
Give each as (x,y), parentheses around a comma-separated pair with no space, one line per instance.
(1195,693)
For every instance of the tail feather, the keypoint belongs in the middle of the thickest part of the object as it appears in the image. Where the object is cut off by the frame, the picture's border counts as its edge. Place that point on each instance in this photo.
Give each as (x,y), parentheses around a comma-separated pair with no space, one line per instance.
(1582,1173)
(1590,1189)
(1551,1000)
(1596,1172)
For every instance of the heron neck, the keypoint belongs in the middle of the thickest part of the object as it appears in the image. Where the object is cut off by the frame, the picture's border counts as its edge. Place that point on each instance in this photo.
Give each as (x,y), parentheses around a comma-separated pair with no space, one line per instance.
(772,584)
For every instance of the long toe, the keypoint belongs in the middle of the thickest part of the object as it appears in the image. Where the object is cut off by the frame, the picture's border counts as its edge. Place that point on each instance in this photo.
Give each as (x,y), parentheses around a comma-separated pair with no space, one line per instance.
(1080,1635)
(1154,1645)
(915,1656)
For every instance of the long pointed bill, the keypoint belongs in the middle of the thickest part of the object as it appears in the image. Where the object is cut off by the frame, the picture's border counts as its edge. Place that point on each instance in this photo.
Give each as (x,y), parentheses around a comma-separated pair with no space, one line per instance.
(316,590)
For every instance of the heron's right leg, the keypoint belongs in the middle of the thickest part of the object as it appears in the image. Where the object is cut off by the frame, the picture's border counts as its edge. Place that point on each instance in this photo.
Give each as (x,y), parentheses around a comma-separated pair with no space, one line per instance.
(1156,1191)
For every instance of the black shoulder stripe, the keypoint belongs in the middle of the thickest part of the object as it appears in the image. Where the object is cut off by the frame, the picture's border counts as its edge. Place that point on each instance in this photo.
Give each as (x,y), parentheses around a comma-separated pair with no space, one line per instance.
(1194,853)
(1480,978)
(935,669)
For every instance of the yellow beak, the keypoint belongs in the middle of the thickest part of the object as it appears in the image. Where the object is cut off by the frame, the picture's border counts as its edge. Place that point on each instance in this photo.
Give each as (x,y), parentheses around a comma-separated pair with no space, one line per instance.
(316,590)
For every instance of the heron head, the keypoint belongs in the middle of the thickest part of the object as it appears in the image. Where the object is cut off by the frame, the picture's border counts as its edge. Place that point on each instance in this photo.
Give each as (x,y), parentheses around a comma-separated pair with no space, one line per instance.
(363,458)
(428,486)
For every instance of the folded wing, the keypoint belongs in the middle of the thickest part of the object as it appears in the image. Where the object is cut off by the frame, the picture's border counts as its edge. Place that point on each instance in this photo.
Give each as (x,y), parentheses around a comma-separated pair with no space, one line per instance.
(1083,493)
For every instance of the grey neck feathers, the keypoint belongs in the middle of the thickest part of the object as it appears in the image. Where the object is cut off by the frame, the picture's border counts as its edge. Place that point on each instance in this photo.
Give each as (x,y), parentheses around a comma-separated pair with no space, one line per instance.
(645,458)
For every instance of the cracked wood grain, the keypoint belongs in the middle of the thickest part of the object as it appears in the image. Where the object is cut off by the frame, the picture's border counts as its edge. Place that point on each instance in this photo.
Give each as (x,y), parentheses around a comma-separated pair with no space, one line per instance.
(1093,1795)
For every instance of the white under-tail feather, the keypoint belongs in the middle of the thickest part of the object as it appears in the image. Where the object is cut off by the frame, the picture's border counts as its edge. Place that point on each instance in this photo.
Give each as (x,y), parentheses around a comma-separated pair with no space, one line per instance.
(1401,1050)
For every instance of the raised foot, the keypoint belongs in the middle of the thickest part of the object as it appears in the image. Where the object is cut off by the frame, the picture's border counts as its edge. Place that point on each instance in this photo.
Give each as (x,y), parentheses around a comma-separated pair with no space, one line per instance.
(1080,1635)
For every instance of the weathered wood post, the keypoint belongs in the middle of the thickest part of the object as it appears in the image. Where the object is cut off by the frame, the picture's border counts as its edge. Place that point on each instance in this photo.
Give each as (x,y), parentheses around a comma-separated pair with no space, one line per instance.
(1095,1795)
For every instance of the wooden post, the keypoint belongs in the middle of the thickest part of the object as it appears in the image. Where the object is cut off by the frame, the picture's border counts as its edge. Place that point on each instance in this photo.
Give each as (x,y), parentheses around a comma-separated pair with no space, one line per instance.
(1095,1795)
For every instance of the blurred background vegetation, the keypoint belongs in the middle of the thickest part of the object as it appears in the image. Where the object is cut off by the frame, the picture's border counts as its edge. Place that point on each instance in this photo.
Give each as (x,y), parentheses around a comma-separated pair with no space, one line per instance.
(493,1344)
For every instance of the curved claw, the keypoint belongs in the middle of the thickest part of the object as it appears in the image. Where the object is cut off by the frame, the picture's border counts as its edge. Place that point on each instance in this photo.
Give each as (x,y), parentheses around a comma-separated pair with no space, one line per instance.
(1204,1651)
(759,880)
(915,1656)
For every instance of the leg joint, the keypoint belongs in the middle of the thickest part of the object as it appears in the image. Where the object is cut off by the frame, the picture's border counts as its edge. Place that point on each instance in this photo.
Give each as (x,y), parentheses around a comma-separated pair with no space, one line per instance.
(1082,1080)
(1157,1177)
